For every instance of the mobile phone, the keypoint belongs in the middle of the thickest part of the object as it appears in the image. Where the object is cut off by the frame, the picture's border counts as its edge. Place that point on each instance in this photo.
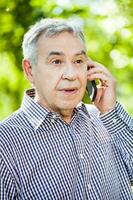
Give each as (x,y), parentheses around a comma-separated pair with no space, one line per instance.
(91,90)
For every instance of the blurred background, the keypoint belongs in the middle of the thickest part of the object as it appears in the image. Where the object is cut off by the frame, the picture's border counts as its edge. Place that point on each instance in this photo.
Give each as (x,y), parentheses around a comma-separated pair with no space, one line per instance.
(108,28)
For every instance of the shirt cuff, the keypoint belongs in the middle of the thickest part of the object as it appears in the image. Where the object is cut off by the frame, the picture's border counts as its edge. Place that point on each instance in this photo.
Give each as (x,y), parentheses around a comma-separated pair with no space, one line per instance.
(117,119)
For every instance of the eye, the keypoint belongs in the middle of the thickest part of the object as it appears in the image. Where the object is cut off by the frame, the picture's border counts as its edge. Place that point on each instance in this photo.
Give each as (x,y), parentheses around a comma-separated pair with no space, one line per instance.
(79,61)
(56,62)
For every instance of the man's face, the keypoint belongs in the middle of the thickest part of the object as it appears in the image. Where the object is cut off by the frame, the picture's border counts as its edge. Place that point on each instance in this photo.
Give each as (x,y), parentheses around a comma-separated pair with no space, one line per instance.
(61,73)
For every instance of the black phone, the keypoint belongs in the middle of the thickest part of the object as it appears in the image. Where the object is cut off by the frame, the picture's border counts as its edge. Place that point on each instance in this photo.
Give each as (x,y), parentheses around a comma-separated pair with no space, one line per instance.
(92,90)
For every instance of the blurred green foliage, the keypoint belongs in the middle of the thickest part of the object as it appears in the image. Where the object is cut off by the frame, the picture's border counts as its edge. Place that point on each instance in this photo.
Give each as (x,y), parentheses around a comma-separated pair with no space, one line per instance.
(108,27)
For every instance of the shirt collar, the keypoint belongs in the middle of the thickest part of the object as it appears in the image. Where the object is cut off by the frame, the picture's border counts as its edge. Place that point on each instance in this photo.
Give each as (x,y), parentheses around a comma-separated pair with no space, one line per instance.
(35,113)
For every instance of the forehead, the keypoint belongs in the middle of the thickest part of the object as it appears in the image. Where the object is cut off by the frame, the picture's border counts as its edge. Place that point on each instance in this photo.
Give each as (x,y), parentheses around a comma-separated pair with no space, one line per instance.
(64,42)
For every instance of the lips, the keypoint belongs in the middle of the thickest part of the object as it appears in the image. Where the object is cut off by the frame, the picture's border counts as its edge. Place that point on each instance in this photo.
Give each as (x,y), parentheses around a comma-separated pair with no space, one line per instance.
(69,90)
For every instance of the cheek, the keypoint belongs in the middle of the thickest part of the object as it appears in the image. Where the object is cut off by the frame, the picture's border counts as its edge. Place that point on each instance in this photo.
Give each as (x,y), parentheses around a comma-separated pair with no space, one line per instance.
(41,81)
(83,76)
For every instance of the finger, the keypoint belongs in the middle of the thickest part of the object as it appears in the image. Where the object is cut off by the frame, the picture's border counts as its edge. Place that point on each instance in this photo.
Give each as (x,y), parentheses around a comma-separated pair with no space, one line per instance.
(104,83)
(100,91)
(97,66)
(104,79)
(99,69)
(92,63)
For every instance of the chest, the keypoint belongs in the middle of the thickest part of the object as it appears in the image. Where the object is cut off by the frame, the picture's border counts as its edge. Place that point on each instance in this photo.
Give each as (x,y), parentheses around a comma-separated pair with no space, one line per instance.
(66,163)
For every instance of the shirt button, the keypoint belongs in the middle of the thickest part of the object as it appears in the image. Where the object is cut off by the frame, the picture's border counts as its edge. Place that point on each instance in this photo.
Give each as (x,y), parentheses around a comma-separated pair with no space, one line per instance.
(54,116)
(53,120)
(131,125)
(114,120)
(89,186)
(81,156)
(121,115)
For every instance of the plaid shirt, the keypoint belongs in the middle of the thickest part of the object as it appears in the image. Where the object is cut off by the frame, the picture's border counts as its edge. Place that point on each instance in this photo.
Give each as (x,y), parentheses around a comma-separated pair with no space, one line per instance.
(42,157)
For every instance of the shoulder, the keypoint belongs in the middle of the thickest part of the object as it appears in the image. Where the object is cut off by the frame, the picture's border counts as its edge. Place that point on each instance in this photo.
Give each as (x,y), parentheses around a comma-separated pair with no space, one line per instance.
(11,119)
(10,124)
(10,132)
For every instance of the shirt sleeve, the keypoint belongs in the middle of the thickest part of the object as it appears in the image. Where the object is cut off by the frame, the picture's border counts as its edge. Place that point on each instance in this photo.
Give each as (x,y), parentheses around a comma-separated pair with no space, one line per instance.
(120,126)
(7,186)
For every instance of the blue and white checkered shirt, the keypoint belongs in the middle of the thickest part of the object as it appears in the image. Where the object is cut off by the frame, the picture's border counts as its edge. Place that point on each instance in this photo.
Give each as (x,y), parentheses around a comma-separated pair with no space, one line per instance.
(44,158)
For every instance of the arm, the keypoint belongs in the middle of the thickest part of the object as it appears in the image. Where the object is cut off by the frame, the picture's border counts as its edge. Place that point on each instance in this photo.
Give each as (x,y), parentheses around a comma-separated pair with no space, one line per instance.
(7,186)
(120,126)
(114,117)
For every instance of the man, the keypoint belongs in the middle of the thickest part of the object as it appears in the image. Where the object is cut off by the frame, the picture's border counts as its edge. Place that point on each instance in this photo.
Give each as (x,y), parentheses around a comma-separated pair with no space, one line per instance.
(54,146)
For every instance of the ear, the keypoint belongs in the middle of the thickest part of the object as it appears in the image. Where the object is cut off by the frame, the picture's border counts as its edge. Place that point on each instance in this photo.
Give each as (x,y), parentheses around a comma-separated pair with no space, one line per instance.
(28,71)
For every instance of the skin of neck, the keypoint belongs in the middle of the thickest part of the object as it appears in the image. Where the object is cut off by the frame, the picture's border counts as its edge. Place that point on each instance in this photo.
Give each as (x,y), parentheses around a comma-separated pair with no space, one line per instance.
(65,114)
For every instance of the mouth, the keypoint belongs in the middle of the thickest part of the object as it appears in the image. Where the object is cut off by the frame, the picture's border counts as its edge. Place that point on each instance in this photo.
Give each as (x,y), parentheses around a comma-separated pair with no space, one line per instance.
(69,90)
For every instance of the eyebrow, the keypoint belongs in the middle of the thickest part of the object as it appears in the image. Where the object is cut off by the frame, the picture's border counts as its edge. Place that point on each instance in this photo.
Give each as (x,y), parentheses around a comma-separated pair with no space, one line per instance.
(81,53)
(55,53)
(62,54)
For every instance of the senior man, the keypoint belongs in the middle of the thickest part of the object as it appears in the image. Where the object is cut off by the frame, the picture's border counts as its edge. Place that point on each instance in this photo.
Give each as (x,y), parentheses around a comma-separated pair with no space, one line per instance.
(55,147)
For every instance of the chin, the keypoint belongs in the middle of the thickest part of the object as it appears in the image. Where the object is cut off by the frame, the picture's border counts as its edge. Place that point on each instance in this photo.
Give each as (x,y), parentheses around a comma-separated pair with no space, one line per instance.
(69,105)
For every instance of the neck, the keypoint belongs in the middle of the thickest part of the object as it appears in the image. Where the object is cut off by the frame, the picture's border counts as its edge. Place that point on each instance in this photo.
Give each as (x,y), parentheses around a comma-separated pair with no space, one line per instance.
(66,115)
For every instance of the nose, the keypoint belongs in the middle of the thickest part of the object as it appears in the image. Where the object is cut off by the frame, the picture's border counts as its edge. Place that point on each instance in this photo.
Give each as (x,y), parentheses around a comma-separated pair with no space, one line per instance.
(69,72)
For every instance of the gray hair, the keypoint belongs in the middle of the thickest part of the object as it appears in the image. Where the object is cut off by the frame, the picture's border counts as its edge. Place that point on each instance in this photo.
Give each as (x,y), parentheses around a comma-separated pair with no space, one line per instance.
(49,27)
